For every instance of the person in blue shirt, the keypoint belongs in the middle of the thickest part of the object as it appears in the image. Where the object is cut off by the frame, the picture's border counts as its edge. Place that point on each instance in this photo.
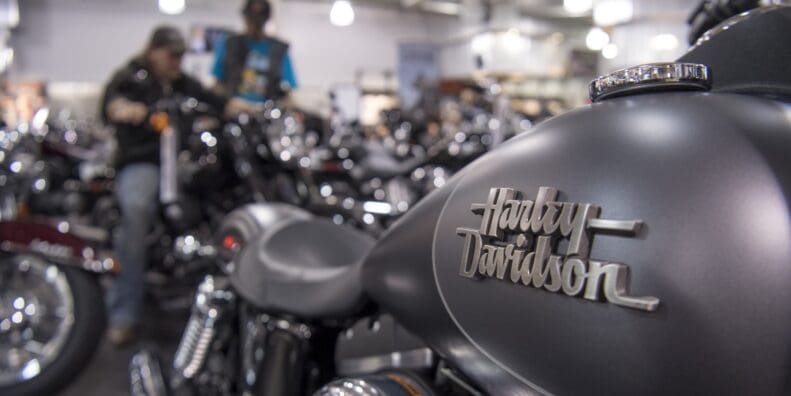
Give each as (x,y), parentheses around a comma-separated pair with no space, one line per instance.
(252,65)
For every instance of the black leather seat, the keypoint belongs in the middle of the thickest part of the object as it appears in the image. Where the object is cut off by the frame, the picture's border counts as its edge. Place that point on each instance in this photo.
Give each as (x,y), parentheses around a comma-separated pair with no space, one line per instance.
(307,267)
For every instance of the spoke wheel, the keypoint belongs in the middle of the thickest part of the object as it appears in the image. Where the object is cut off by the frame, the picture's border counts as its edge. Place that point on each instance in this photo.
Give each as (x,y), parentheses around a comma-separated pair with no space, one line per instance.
(36,317)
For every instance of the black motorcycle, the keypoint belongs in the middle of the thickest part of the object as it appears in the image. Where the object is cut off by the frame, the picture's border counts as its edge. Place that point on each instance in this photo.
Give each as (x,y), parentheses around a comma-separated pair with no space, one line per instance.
(366,182)
(634,246)
(199,182)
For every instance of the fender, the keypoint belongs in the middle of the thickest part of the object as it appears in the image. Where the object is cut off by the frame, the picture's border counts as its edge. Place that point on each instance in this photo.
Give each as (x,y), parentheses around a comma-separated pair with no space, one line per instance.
(55,243)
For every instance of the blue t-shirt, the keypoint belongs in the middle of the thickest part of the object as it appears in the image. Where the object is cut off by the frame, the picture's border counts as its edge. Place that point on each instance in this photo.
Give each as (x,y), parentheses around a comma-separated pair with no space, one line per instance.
(255,71)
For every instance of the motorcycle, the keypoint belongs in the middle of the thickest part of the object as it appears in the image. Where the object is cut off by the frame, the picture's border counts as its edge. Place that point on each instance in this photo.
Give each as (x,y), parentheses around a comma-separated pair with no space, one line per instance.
(198,184)
(51,304)
(634,246)
(365,182)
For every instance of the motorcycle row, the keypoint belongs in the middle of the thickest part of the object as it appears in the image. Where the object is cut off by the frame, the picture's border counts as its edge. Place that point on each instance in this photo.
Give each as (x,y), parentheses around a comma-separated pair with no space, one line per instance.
(634,246)
(59,211)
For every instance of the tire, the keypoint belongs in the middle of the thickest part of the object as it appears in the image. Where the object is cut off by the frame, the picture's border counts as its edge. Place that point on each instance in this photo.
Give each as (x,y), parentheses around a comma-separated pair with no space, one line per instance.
(81,343)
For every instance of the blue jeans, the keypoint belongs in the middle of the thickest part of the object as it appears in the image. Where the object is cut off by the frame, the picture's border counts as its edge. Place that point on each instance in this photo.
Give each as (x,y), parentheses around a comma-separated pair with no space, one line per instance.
(137,192)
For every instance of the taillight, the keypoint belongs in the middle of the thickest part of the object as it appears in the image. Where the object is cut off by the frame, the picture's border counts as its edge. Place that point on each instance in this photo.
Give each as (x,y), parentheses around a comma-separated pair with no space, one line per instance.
(231,242)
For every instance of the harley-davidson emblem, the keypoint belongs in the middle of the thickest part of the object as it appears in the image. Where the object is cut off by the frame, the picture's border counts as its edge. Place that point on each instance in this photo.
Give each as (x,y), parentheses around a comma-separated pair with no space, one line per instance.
(518,240)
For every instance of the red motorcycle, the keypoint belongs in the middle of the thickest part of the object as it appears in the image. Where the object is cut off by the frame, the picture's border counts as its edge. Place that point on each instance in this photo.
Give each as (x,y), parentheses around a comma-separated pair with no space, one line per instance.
(51,304)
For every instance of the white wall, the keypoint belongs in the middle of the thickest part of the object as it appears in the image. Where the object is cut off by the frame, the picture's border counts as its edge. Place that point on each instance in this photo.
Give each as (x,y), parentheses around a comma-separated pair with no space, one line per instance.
(326,54)
(80,40)
(85,40)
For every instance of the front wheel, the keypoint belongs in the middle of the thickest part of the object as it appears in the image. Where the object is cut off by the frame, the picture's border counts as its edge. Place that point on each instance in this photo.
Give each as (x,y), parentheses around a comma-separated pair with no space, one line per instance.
(51,321)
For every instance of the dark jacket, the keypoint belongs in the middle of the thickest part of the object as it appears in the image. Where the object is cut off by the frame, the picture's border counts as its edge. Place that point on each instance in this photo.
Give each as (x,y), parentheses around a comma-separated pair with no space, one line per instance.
(236,52)
(139,143)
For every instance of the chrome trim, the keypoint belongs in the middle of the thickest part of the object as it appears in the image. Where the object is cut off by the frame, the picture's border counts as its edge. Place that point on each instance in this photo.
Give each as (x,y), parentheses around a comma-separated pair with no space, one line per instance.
(168,172)
(349,387)
(651,76)
(103,263)
(449,374)
(302,331)
(145,376)
(34,326)
(413,359)
(87,232)
(568,271)
(212,301)
(728,23)
(631,227)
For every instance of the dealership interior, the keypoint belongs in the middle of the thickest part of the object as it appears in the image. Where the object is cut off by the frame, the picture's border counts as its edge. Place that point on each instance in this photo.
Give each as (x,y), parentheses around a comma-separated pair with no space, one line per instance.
(272,197)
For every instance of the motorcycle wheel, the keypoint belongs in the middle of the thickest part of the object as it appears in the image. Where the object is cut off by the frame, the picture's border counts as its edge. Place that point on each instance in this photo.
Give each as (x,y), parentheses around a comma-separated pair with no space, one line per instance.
(51,321)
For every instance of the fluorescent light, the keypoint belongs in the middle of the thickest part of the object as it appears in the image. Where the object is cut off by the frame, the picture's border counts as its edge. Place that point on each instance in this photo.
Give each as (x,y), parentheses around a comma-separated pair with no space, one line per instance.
(612,12)
(610,51)
(577,7)
(597,39)
(664,42)
(172,7)
(342,13)
(377,207)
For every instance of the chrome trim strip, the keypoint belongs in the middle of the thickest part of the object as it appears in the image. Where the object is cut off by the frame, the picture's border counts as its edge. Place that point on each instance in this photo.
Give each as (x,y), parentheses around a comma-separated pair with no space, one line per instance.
(413,359)
(651,76)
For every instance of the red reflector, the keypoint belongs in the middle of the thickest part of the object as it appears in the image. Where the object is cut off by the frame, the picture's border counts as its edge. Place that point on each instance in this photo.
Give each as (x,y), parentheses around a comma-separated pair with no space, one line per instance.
(230,242)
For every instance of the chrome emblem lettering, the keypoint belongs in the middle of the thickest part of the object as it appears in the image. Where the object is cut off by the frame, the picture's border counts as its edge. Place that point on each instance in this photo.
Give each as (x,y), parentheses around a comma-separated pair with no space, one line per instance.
(50,249)
(517,242)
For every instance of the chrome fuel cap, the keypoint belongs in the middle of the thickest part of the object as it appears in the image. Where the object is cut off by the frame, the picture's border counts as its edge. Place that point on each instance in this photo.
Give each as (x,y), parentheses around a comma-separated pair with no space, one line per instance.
(651,77)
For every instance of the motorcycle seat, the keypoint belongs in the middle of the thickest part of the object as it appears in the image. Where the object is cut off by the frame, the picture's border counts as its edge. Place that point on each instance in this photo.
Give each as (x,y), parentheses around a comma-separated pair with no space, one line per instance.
(307,267)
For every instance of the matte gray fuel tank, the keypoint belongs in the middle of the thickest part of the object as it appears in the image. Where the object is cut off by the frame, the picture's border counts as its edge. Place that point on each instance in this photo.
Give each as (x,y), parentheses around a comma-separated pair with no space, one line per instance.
(640,245)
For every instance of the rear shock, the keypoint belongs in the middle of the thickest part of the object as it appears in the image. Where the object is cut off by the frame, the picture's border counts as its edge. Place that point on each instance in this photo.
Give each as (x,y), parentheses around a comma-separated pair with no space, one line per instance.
(214,301)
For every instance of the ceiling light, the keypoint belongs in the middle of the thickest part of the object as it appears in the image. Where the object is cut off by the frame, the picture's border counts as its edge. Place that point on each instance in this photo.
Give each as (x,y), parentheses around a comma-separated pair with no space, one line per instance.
(577,7)
(172,7)
(610,51)
(612,12)
(514,42)
(664,42)
(597,39)
(482,43)
(342,13)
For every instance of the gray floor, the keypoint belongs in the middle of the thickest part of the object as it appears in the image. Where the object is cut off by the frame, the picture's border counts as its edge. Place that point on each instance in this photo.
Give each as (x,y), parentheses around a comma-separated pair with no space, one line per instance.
(106,374)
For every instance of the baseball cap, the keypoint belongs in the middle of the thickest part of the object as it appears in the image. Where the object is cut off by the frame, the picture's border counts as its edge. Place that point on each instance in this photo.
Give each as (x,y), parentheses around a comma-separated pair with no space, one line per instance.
(169,38)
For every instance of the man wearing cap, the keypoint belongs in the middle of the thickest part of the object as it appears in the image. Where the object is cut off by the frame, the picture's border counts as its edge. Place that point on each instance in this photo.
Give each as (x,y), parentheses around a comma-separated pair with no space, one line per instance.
(147,78)
(252,65)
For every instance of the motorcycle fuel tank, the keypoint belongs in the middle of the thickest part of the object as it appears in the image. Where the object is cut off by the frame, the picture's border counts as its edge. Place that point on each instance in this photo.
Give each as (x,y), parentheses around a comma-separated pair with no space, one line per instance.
(635,246)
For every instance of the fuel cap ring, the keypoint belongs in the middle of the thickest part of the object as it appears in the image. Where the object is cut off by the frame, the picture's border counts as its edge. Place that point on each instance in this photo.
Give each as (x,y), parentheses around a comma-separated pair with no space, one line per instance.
(651,77)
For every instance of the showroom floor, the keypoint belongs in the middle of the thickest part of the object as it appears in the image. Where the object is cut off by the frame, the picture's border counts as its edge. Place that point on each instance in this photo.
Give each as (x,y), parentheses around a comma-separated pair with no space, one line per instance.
(106,375)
